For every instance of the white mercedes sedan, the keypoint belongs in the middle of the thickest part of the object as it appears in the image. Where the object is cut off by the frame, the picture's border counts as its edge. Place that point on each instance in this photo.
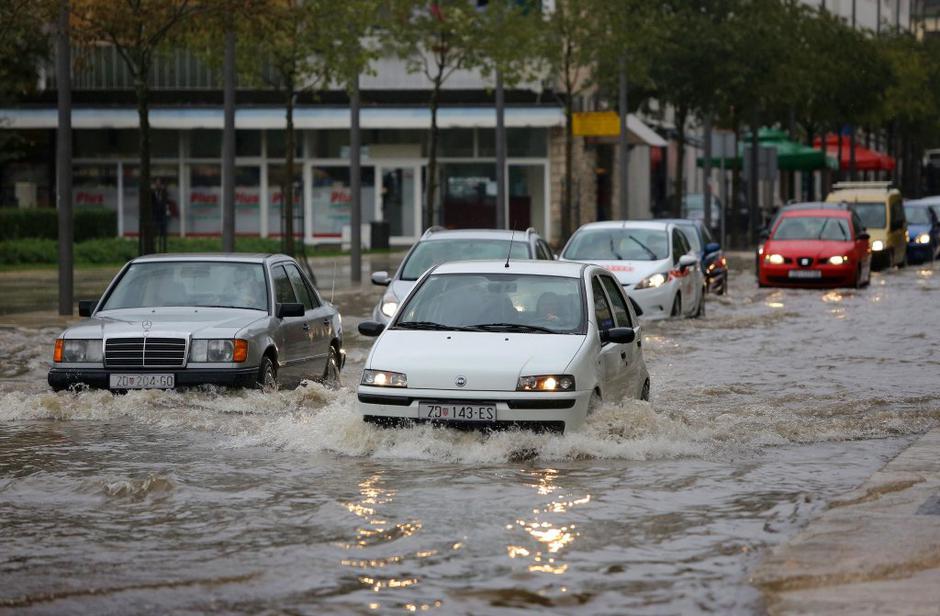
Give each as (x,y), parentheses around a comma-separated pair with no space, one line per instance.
(533,344)
(653,260)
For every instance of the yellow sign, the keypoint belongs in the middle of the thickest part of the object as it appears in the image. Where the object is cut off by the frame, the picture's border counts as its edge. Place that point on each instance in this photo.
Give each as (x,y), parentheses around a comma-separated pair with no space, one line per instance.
(596,124)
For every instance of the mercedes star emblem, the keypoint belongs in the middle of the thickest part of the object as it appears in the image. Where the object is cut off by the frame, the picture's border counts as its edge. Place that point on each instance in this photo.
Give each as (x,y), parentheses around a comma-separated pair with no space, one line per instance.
(460,381)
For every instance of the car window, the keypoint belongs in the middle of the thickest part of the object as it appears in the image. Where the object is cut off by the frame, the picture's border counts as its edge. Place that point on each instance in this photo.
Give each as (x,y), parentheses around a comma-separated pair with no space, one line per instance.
(621,313)
(618,244)
(707,235)
(812,228)
(544,251)
(917,215)
(504,301)
(857,225)
(605,317)
(300,289)
(283,291)
(190,283)
(690,234)
(679,245)
(872,214)
(433,252)
(897,216)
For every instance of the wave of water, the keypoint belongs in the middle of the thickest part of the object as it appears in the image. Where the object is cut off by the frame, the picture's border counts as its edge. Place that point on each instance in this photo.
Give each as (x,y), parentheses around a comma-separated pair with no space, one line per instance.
(314,419)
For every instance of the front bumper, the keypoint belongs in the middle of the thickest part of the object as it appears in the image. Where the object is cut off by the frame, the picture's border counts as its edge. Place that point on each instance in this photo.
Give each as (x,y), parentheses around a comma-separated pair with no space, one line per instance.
(63,378)
(540,411)
(655,303)
(830,275)
(920,252)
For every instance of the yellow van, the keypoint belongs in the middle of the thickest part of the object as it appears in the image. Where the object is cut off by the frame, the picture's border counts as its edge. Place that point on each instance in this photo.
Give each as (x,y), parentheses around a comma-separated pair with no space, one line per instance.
(881,209)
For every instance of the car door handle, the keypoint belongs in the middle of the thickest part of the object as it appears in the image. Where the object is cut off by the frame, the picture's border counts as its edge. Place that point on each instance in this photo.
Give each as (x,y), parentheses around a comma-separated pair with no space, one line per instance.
(326,321)
(623,355)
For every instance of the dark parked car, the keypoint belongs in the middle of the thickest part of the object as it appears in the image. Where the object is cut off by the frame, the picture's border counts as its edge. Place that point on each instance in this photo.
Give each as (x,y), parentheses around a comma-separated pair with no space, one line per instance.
(714,263)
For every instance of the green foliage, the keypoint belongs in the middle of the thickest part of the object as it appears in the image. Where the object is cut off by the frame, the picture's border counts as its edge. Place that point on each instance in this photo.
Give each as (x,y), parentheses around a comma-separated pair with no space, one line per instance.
(43,223)
(23,46)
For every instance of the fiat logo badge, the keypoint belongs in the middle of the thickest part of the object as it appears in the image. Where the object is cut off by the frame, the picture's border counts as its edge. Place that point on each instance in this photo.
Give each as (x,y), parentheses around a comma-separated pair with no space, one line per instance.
(460,381)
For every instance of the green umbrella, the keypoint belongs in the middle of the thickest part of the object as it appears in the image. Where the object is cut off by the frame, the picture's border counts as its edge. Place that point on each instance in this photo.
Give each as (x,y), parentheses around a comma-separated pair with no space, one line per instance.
(791,156)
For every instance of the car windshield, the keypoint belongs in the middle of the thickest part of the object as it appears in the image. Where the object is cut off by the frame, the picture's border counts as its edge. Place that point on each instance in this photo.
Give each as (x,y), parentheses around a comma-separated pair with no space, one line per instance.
(916,215)
(691,233)
(429,253)
(496,302)
(615,244)
(872,214)
(813,228)
(190,283)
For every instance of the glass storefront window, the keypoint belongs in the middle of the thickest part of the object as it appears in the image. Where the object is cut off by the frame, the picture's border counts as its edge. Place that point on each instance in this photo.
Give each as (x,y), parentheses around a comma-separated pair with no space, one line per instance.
(456,143)
(277,174)
(527,197)
(248,143)
(247,200)
(277,140)
(520,142)
(112,143)
(95,186)
(330,143)
(332,198)
(168,175)
(205,144)
(204,208)
(468,195)
(398,199)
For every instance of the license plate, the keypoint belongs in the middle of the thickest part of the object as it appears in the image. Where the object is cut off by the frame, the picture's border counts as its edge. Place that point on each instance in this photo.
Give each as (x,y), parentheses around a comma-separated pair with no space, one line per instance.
(805,274)
(143,381)
(457,412)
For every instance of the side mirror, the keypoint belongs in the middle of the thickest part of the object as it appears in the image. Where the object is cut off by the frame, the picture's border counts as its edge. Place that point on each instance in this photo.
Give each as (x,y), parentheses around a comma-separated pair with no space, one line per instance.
(86,306)
(371,328)
(687,261)
(764,234)
(863,236)
(381,279)
(290,310)
(712,247)
(618,335)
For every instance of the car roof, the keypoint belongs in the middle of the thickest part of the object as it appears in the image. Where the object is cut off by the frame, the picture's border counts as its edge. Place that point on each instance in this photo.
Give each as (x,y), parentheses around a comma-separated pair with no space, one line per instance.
(629,224)
(568,269)
(834,212)
(924,202)
(683,221)
(476,234)
(232,257)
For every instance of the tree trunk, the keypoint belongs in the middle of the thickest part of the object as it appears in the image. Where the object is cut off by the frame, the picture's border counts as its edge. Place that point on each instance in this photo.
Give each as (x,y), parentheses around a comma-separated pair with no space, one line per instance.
(287,190)
(432,155)
(502,217)
(733,208)
(355,185)
(145,221)
(228,144)
(679,188)
(623,145)
(64,159)
(853,163)
(568,220)
(753,180)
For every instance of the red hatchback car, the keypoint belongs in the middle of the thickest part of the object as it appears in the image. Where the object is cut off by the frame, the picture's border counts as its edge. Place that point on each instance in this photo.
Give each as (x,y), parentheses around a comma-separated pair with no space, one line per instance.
(814,246)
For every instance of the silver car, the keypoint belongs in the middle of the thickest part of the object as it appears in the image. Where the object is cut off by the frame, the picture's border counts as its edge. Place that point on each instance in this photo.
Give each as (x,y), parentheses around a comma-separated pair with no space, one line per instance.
(439,245)
(169,321)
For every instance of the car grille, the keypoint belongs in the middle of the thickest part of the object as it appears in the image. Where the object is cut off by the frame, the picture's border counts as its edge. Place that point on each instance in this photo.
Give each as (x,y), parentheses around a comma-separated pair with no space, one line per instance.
(804,261)
(145,352)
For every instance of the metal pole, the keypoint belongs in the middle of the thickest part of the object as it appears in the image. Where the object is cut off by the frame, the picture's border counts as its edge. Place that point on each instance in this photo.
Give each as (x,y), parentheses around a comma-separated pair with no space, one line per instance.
(228,143)
(623,146)
(707,171)
(64,159)
(501,209)
(723,206)
(355,185)
(752,181)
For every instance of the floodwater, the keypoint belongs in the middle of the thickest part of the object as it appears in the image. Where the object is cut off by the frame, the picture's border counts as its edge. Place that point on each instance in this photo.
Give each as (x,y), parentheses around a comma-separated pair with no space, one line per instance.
(240,502)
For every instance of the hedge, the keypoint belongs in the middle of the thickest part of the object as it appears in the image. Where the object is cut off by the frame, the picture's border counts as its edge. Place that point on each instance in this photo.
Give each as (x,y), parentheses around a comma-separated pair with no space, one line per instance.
(43,223)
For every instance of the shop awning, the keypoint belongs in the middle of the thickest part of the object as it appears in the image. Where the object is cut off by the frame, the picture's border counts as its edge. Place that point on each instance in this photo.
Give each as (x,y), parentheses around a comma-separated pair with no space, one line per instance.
(865,158)
(249,118)
(791,156)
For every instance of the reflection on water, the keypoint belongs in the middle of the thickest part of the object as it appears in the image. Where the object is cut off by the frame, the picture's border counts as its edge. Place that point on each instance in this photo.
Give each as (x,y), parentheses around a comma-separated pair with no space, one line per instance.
(240,502)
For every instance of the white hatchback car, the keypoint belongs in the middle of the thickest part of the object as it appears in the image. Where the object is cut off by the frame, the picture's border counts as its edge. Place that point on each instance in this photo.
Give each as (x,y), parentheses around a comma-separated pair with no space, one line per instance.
(533,344)
(653,260)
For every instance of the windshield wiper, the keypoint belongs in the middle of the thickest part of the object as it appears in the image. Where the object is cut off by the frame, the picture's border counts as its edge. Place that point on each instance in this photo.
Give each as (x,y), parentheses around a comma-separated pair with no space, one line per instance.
(822,229)
(514,326)
(646,248)
(613,250)
(233,307)
(430,325)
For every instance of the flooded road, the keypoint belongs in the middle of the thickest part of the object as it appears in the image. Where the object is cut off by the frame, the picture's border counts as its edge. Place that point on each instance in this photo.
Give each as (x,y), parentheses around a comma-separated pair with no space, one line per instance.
(243,503)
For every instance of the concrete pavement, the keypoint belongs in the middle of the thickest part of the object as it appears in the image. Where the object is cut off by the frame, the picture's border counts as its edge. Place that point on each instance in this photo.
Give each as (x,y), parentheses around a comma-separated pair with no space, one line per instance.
(875,550)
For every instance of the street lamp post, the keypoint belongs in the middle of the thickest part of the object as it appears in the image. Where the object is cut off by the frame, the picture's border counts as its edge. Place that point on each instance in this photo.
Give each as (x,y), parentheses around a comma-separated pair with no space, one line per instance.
(63,65)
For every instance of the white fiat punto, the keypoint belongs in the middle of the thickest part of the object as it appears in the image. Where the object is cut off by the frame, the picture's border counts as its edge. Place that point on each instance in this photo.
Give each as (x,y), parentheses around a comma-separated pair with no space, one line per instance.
(533,344)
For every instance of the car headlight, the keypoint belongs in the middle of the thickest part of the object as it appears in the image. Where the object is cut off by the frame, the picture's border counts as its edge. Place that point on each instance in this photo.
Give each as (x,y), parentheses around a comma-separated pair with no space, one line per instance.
(877,245)
(77,351)
(389,304)
(838,260)
(546,382)
(218,351)
(652,282)
(923,238)
(774,259)
(384,378)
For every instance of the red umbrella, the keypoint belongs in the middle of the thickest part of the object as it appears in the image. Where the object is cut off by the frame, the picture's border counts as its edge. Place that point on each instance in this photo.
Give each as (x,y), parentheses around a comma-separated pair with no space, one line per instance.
(865,159)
